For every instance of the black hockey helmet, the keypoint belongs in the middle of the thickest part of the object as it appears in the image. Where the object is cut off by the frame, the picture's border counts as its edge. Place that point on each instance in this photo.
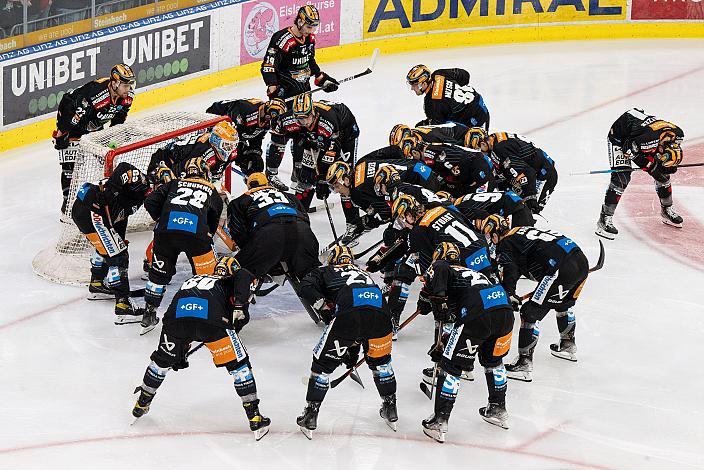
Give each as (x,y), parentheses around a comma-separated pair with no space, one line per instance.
(398,132)
(336,172)
(269,111)
(385,175)
(302,105)
(197,168)
(492,225)
(419,74)
(474,137)
(309,15)
(447,251)
(227,266)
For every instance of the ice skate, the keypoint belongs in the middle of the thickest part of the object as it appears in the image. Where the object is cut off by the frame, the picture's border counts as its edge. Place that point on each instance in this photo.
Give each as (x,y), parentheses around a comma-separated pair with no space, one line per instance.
(428,375)
(276,182)
(605,227)
(97,290)
(149,320)
(566,349)
(388,411)
(670,217)
(495,414)
(258,424)
(521,369)
(142,406)
(435,427)
(308,421)
(126,312)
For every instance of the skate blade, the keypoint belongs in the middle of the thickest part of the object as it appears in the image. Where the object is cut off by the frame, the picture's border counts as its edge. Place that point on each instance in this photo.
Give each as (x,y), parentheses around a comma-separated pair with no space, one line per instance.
(467,375)
(502,423)
(147,329)
(100,296)
(391,424)
(427,390)
(261,432)
(568,356)
(671,223)
(144,277)
(307,432)
(394,337)
(523,376)
(438,436)
(605,234)
(127,319)
(429,381)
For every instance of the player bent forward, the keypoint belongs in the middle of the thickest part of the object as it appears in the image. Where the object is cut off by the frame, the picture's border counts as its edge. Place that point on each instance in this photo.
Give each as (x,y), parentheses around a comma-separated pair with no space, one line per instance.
(211,309)
(357,318)
(483,324)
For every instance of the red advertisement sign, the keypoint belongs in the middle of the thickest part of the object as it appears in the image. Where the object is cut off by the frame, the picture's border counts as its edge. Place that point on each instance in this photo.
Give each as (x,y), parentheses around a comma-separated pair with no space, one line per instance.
(261,19)
(667,10)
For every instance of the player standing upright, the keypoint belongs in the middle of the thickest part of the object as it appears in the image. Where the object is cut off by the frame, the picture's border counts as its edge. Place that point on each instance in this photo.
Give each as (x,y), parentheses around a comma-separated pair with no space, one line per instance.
(448,97)
(654,146)
(290,58)
(87,109)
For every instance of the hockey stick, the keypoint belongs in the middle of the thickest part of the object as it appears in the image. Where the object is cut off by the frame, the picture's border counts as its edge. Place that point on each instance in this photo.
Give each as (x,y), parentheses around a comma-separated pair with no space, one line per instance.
(319,207)
(625,170)
(369,70)
(229,242)
(366,252)
(428,390)
(599,264)
(349,372)
(332,225)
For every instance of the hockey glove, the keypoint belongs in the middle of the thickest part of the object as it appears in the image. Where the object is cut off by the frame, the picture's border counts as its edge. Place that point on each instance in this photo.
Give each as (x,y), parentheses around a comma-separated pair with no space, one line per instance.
(653,166)
(322,189)
(326,82)
(424,306)
(532,204)
(323,310)
(441,310)
(518,182)
(515,302)
(61,140)
(272,91)
(240,316)
(351,355)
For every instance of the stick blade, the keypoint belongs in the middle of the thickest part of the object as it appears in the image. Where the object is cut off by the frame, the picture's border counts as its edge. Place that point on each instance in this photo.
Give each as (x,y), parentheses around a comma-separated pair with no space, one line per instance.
(372,62)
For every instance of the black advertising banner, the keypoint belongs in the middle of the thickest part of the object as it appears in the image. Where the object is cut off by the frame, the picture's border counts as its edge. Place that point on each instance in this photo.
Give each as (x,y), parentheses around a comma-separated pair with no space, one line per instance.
(34,87)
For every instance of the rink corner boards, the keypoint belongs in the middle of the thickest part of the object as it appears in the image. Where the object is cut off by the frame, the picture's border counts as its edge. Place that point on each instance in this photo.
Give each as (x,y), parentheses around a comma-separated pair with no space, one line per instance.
(41,130)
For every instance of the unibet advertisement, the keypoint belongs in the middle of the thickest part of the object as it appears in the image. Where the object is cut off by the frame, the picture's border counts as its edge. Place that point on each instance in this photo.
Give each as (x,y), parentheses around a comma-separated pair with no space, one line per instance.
(261,19)
(34,87)
(394,17)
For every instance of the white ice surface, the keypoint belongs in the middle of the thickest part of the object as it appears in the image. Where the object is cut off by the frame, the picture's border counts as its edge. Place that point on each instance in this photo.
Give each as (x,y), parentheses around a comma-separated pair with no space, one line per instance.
(634,399)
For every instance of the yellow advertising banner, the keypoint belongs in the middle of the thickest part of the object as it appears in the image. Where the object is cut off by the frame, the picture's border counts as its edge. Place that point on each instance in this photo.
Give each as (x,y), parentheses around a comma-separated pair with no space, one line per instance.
(396,17)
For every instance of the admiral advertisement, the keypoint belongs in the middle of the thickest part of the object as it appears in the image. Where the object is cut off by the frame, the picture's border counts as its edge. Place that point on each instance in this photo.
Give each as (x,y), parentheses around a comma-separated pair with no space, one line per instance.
(261,19)
(34,87)
(398,17)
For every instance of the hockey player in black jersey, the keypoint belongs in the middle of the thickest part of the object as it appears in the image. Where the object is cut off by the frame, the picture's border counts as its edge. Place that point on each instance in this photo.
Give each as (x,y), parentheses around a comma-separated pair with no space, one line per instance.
(652,144)
(100,212)
(252,118)
(289,61)
(519,165)
(273,232)
(353,307)
(187,213)
(462,170)
(448,97)
(560,268)
(448,133)
(210,309)
(482,323)
(217,147)
(87,109)
(478,206)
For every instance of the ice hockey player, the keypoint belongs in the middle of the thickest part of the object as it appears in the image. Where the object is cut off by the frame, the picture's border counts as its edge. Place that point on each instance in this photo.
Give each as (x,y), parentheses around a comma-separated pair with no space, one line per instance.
(560,268)
(217,147)
(331,134)
(187,213)
(478,206)
(289,61)
(462,170)
(210,309)
(448,97)
(252,118)
(654,146)
(482,324)
(87,109)
(448,133)
(273,232)
(519,164)
(100,212)
(371,183)
(353,308)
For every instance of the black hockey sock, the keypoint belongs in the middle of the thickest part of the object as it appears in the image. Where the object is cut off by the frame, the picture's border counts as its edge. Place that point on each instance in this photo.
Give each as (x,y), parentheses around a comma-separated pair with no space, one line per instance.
(306,197)
(496,384)
(318,385)
(98,268)
(351,212)
(118,281)
(274,155)
(398,296)
(245,386)
(566,324)
(153,294)
(528,338)
(664,191)
(446,390)
(384,379)
(153,377)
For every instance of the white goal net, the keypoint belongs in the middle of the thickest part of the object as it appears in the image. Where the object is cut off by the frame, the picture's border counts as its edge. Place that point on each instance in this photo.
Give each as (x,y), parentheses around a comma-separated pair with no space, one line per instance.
(68,262)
